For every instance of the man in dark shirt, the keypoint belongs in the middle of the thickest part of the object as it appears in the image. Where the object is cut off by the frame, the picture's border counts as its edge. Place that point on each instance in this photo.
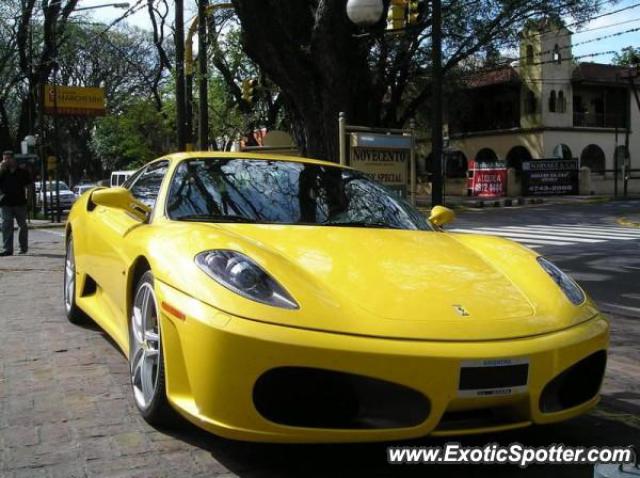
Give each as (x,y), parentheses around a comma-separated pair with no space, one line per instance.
(13,202)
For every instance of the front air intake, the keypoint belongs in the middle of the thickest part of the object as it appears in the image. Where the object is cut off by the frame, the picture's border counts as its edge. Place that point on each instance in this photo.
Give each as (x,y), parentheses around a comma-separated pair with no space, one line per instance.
(316,398)
(576,385)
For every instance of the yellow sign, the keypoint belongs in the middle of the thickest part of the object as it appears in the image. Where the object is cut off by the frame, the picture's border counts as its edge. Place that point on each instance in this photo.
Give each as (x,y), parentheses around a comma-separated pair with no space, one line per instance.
(384,157)
(74,101)
(51,162)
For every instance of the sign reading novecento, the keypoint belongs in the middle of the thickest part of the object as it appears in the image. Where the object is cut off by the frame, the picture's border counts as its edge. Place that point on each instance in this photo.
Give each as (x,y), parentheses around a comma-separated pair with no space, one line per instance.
(383,157)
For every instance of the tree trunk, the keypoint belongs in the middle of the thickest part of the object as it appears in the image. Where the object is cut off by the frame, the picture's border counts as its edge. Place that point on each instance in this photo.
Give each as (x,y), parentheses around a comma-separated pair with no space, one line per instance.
(312,56)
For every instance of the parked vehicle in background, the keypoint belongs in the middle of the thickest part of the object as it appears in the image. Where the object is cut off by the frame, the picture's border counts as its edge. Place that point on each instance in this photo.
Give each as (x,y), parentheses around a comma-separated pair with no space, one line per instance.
(67,197)
(119,177)
(81,188)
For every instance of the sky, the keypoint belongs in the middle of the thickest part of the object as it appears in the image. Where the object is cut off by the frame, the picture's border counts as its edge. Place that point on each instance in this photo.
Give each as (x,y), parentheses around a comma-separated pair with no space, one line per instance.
(617,43)
(604,25)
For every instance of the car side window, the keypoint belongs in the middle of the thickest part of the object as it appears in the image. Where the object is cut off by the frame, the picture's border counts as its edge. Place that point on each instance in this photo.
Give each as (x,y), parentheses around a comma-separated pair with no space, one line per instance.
(147,185)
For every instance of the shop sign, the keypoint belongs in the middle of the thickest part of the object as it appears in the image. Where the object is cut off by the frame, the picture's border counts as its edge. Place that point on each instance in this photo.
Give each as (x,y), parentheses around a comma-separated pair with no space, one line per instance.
(384,157)
(550,177)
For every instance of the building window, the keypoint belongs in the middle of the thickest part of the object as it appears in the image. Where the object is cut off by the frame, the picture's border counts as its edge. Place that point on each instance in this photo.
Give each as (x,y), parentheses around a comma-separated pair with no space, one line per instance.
(557,57)
(562,151)
(516,156)
(593,158)
(561,105)
(552,101)
(529,54)
(530,105)
(486,155)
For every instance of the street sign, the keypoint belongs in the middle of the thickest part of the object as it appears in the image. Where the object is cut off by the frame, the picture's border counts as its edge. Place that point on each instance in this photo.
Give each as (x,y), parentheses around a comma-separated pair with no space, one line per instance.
(551,177)
(74,101)
(384,157)
(51,162)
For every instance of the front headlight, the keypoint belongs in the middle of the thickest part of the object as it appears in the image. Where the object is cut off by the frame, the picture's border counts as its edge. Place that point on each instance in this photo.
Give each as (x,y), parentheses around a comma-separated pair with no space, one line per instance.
(567,284)
(238,273)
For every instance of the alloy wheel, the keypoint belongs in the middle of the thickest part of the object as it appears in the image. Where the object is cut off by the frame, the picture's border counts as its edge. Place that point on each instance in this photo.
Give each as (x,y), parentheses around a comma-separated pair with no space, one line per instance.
(145,346)
(69,277)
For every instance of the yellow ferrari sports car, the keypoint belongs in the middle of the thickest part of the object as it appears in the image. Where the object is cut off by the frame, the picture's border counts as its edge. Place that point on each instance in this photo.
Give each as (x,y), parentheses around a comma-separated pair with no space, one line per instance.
(283,299)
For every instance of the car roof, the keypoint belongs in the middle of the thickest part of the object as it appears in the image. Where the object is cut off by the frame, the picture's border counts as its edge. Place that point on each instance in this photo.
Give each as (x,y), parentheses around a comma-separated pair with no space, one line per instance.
(176,157)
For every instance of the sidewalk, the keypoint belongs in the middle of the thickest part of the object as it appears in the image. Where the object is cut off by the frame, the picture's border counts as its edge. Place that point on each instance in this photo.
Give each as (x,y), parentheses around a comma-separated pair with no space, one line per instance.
(630,220)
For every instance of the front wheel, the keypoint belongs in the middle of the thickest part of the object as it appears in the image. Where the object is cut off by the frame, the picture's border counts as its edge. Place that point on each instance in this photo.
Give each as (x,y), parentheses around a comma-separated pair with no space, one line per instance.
(74,314)
(145,356)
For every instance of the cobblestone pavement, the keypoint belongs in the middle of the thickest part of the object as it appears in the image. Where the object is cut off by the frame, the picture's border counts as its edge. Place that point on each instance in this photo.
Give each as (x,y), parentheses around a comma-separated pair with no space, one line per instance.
(66,410)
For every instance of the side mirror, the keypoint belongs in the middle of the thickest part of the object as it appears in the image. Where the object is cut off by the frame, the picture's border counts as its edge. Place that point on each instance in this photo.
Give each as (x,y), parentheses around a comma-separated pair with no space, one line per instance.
(441,216)
(121,198)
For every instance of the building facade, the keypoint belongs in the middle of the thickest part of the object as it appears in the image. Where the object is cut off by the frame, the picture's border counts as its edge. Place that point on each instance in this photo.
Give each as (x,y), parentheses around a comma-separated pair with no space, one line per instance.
(549,106)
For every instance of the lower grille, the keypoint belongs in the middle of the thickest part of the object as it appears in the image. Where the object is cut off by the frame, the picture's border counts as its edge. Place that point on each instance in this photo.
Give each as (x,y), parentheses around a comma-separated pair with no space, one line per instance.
(576,385)
(316,398)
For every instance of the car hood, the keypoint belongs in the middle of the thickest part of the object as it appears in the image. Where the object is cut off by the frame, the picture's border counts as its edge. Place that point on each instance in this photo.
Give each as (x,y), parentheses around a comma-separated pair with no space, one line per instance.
(391,283)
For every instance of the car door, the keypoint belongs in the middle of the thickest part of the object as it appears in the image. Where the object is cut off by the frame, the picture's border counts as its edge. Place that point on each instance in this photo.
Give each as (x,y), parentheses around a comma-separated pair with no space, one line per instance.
(111,230)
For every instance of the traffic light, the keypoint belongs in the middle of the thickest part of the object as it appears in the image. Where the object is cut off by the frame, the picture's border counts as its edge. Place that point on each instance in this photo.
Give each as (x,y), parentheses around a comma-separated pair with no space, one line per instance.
(397,16)
(249,89)
(413,12)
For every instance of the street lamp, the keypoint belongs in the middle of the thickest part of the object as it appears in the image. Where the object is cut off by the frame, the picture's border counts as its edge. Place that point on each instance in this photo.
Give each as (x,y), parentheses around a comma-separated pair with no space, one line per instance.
(365,13)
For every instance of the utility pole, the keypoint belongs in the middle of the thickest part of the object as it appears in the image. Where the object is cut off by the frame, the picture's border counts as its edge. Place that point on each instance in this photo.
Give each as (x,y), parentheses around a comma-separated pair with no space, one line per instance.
(180,96)
(203,136)
(436,101)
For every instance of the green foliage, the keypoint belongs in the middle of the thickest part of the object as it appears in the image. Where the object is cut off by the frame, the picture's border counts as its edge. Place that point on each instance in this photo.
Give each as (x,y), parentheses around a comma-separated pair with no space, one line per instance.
(629,56)
(133,137)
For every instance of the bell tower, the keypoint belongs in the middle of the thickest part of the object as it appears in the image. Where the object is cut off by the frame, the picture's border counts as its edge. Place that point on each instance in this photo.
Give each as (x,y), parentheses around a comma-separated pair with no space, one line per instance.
(546,67)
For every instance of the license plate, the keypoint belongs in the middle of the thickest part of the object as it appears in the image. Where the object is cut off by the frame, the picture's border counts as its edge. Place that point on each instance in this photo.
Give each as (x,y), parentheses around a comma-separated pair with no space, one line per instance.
(493,377)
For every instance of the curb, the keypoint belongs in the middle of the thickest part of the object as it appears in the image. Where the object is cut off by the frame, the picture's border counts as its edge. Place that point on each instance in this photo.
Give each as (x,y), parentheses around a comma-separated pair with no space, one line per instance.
(53,225)
(479,204)
(623,221)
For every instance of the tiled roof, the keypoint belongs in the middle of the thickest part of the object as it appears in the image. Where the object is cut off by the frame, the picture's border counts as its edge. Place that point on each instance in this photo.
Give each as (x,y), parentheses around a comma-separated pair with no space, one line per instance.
(599,73)
(506,74)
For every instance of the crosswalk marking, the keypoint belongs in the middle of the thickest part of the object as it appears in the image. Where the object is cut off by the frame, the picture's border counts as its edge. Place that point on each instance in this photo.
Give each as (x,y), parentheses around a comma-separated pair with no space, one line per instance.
(506,234)
(538,235)
(534,235)
(610,230)
(583,233)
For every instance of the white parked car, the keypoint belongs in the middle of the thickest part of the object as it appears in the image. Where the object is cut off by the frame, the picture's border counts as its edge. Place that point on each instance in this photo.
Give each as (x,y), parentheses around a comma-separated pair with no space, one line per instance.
(119,177)
(67,197)
(79,189)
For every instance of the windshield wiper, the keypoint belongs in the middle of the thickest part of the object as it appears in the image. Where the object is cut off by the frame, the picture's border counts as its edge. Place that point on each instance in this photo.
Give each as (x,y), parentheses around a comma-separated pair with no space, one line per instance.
(215,218)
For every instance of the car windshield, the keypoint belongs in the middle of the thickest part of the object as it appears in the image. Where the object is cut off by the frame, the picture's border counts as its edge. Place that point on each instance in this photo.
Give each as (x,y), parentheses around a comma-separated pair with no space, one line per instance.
(285,192)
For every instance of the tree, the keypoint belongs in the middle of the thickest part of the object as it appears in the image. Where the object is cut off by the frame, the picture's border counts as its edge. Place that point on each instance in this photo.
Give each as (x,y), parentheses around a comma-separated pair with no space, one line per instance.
(629,56)
(232,116)
(40,42)
(133,137)
(312,52)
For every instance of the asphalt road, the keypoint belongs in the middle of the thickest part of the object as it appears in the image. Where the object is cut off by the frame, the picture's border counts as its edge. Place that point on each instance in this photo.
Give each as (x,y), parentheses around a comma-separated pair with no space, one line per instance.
(66,408)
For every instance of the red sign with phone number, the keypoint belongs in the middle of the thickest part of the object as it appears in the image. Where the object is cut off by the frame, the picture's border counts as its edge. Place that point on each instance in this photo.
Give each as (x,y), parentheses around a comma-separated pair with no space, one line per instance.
(489,182)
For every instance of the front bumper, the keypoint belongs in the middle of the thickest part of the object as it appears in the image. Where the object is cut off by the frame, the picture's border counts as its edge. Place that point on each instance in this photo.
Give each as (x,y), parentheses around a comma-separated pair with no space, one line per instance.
(213,361)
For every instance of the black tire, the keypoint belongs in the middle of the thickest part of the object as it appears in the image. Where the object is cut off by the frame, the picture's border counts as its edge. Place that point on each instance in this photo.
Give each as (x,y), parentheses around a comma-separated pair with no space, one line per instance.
(73,312)
(155,407)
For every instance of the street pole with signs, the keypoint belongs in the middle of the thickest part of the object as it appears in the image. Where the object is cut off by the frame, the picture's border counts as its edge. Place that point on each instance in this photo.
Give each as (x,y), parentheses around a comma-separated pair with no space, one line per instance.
(199,23)
(180,79)
(203,136)
(436,104)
